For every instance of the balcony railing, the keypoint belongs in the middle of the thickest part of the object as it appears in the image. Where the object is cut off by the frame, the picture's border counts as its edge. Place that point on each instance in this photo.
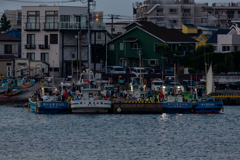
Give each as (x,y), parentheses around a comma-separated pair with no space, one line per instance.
(42,46)
(32,27)
(30,46)
(76,25)
(186,15)
(51,26)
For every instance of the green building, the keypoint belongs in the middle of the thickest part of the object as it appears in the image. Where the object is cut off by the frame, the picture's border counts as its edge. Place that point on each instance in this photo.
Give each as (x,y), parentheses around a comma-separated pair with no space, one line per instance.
(140,38)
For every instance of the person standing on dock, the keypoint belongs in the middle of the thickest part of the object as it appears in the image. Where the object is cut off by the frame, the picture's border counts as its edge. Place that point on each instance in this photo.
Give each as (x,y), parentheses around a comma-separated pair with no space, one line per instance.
(65,96)
(112,93)
(107,93)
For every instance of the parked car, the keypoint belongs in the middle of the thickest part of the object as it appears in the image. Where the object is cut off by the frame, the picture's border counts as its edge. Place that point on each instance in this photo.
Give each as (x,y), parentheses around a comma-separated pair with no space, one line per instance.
(116,70)
(188,84)
(173,86)
(136,70)
(155,71)
(156,85)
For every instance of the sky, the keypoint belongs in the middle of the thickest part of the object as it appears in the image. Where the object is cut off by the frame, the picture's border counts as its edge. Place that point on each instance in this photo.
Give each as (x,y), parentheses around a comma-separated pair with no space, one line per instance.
(117,7)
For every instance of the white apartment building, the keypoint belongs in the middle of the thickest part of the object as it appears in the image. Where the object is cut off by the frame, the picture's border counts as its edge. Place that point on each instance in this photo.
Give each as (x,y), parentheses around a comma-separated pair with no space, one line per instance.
(174,13)
(57,35)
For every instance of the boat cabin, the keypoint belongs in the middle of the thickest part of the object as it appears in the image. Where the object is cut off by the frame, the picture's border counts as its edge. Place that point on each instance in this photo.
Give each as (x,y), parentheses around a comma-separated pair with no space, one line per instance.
(90,94)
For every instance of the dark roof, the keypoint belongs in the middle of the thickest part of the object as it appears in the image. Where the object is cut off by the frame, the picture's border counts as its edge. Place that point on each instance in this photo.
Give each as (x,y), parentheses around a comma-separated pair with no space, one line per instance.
(7,56)
(208,35)
(213,39)
(14,33)
(165,34)
(4,37)
(194,35)
(209,27)
(190,25)
(131,39)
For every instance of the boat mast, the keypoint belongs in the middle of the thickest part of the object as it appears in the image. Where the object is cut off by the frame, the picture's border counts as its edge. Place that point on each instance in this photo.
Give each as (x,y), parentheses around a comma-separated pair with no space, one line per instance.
(89,44)
(206,75)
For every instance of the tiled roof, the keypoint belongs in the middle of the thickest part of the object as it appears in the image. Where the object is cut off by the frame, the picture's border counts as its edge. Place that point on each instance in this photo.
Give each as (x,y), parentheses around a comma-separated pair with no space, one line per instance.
(213,39)
(167,35)
(7,38)
(190,25)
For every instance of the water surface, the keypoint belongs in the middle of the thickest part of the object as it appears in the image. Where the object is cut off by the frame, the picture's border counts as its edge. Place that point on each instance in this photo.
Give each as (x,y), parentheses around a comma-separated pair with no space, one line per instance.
(25,135)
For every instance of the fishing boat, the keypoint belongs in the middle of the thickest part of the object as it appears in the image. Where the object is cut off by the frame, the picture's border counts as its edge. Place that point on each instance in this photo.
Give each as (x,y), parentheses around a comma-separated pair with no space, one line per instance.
(12,91)
(90,102)
(48,102)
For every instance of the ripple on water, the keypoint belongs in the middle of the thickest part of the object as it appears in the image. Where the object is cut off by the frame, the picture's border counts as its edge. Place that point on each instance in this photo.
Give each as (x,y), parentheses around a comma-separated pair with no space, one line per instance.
(27,135)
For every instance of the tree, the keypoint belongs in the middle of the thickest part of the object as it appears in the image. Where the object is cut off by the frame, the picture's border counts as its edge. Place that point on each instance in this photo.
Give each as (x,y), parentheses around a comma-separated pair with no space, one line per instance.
(204,49)
(167,52)
(4,24)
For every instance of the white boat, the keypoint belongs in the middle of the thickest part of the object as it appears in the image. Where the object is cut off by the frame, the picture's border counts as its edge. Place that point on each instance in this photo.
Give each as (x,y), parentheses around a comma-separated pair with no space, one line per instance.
(12,92)
(90,102)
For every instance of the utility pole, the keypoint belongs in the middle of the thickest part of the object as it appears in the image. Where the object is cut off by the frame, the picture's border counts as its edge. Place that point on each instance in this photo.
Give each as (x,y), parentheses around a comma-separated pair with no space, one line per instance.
(113,16)
(140,55)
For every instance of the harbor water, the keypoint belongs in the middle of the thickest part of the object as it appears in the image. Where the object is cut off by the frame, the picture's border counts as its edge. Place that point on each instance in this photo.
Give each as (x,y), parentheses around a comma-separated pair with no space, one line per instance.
(25,135)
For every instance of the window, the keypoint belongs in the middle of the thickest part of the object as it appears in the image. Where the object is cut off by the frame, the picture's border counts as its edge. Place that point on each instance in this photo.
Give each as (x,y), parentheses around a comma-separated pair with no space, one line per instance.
(99,35)
(159,22)
(111,47)
(51,20)
(173,21)
(225,48)
(135,46)
(186,10)
(216,12)
(73,55)
(31,40)
(53,39)
(33,20)
(160,10)
(186,22)
(153,62)
(7,49)
(64,18)
(173,10)
(44,57)
(215,48)
(121,46)
(31,56)
(200,38)
(155,44)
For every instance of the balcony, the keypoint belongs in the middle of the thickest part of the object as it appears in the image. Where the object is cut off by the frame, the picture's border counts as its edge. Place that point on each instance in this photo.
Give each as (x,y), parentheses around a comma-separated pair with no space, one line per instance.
(83,26)
(42,46)
(51,26)
(32,27)
(30,46)
(186,15)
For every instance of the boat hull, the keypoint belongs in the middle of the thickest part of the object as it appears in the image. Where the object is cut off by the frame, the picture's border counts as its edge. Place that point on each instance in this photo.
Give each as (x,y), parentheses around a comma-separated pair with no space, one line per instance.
(177,107)
(88,106)
(207,107)
(49,107)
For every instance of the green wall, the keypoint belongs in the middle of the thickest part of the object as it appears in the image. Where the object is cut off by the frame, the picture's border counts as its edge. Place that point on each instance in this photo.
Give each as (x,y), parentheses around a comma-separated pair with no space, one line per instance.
(145,42)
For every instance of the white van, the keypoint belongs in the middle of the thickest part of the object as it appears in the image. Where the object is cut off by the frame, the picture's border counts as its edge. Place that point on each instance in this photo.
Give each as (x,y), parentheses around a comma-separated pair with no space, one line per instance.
(136,70)
(116,70)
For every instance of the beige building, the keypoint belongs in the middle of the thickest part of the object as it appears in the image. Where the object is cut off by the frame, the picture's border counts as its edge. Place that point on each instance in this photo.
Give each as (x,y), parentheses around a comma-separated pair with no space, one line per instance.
(174,13)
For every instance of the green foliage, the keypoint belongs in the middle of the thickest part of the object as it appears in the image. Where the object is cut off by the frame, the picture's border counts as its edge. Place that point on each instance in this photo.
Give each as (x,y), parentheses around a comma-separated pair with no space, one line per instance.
(191,70)
(4,24)
(167,52)
(220,67)
(204,49)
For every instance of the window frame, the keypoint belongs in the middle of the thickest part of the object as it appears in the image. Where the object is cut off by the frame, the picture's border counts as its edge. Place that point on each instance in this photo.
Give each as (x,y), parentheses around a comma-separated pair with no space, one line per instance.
(53,40)
(111,47)
(8,49)
(121,46)
(45,57)
(31,56)
(173,10)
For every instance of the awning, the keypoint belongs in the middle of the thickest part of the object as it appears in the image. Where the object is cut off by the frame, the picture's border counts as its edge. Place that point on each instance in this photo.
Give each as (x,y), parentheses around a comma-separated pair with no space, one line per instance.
(24,68)
(131,39)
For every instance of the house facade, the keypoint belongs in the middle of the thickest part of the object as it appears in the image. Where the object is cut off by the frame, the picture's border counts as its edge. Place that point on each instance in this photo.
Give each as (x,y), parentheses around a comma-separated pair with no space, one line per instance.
(192,31)
(140,39)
